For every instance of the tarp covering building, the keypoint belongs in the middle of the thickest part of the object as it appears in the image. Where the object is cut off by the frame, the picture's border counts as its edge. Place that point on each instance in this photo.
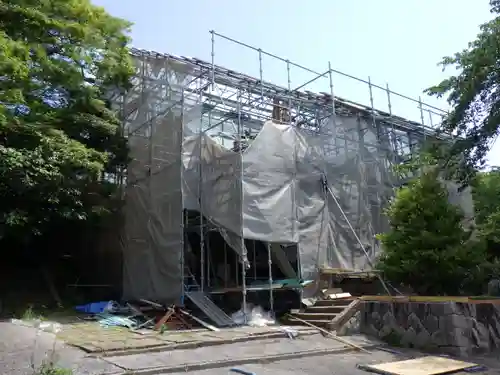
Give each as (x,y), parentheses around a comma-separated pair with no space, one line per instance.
(320,183)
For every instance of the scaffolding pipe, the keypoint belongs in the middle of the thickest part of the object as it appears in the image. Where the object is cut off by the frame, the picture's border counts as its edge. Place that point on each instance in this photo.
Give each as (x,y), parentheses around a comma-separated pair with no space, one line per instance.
(270,269)
(212,54)
(334,111)
(371,97)
(421,115)
(314,72)
(261,73)
(183,220)
(254,255)
(226,265)
(344,215)
(243,247)
(200,201)
(312,80)
(389,105)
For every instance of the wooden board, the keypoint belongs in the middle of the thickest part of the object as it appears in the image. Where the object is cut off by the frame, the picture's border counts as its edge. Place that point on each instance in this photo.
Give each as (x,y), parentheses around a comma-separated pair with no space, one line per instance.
(420,366)
(346,314)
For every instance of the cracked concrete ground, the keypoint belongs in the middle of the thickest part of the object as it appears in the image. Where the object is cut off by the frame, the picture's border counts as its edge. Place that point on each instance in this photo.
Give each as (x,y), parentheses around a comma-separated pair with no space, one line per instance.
(22,349)
(17,348)
(333,364)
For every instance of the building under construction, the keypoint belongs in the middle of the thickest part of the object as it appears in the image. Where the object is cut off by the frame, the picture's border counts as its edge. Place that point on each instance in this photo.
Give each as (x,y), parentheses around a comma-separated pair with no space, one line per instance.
(238,184)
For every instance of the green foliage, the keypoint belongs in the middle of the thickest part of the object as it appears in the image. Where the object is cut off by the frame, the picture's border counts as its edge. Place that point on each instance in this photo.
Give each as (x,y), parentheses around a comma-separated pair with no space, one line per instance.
(59,59)
(486,193)
(426,246)
(474,96)
(51,369)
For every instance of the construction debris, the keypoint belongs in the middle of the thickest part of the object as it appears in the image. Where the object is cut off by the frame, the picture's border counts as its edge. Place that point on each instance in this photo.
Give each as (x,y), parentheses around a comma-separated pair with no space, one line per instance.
(254,316)
(203,323)
(153,316)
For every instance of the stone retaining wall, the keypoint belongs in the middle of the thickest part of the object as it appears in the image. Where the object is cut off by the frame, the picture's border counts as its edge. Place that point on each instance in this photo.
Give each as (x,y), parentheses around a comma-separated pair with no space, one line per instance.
(449,327)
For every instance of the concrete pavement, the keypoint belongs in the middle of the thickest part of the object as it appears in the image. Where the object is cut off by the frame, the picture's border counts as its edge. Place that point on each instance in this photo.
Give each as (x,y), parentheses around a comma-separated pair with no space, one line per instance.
(332,364)
(307,354)
(24,348)
(233,354)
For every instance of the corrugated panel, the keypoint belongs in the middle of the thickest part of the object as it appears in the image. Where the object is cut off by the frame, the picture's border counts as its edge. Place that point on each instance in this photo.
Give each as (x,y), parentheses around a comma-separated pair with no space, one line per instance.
(214,313)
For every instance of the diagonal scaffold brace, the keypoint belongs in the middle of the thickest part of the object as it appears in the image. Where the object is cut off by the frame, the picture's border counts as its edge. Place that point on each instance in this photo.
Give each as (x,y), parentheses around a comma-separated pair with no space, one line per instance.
(351,228)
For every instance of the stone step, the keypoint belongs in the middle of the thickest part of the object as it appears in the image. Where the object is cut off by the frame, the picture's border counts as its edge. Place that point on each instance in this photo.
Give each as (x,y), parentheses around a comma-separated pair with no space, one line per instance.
(334,302)
(322,323)
(315,316)
(325,309)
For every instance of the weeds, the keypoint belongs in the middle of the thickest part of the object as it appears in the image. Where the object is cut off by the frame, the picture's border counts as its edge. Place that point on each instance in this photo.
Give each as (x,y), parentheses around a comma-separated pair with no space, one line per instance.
(29,314)
(52,369)
(49,364)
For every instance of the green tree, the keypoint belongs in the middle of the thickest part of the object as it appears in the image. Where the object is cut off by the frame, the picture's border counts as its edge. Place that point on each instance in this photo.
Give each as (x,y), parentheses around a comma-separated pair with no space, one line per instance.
(427,247)
(59,139)
(474,97)
(486,193)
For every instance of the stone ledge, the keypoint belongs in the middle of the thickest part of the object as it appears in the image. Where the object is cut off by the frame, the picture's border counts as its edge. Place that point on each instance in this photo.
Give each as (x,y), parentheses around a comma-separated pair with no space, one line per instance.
(431,299)
(452,327)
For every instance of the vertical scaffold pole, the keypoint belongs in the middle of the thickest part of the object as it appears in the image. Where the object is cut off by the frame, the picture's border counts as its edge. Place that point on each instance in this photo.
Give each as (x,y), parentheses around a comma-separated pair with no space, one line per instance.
(200,200)
(421,115)
(371,98)
(393,131)
(334,111)
(183,220)
(389,105)
(243,247)
(261,74)
(212,54)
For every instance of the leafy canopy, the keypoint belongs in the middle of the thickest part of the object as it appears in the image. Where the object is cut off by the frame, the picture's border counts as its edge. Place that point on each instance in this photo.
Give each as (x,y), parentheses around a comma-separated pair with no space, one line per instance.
(474,96)
(58,137)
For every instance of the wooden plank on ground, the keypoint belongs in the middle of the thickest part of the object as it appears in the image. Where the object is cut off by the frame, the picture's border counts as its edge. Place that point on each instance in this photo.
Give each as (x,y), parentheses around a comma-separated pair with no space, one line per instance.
(164,319)
(420,366)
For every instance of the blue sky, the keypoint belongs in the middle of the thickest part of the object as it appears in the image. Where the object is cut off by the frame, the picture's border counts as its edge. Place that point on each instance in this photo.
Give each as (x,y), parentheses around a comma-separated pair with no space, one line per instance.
(392,41)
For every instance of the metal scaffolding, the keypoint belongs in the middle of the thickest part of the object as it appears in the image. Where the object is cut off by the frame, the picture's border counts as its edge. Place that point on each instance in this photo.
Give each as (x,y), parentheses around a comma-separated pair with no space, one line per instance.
(201,138)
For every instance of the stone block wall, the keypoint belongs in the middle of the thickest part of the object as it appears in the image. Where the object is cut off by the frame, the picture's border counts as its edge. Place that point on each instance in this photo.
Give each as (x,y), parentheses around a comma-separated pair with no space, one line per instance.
(449,327)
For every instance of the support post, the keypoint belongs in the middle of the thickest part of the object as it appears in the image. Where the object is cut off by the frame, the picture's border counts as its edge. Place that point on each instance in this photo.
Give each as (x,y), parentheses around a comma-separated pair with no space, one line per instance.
(243,247)
(389,105)
(212,54)
(261,74)
(270,268)
(421,115)
(254,256)
(371,99)
(200,200)
(334,111)
(183,221)
(226,266)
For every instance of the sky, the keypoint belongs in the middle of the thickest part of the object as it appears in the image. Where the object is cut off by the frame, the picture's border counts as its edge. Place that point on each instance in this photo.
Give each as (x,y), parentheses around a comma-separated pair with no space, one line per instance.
(393,42)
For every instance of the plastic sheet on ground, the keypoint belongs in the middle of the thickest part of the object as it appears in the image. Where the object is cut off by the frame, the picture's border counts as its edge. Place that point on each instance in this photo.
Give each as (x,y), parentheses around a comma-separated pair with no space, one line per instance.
(254,316)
